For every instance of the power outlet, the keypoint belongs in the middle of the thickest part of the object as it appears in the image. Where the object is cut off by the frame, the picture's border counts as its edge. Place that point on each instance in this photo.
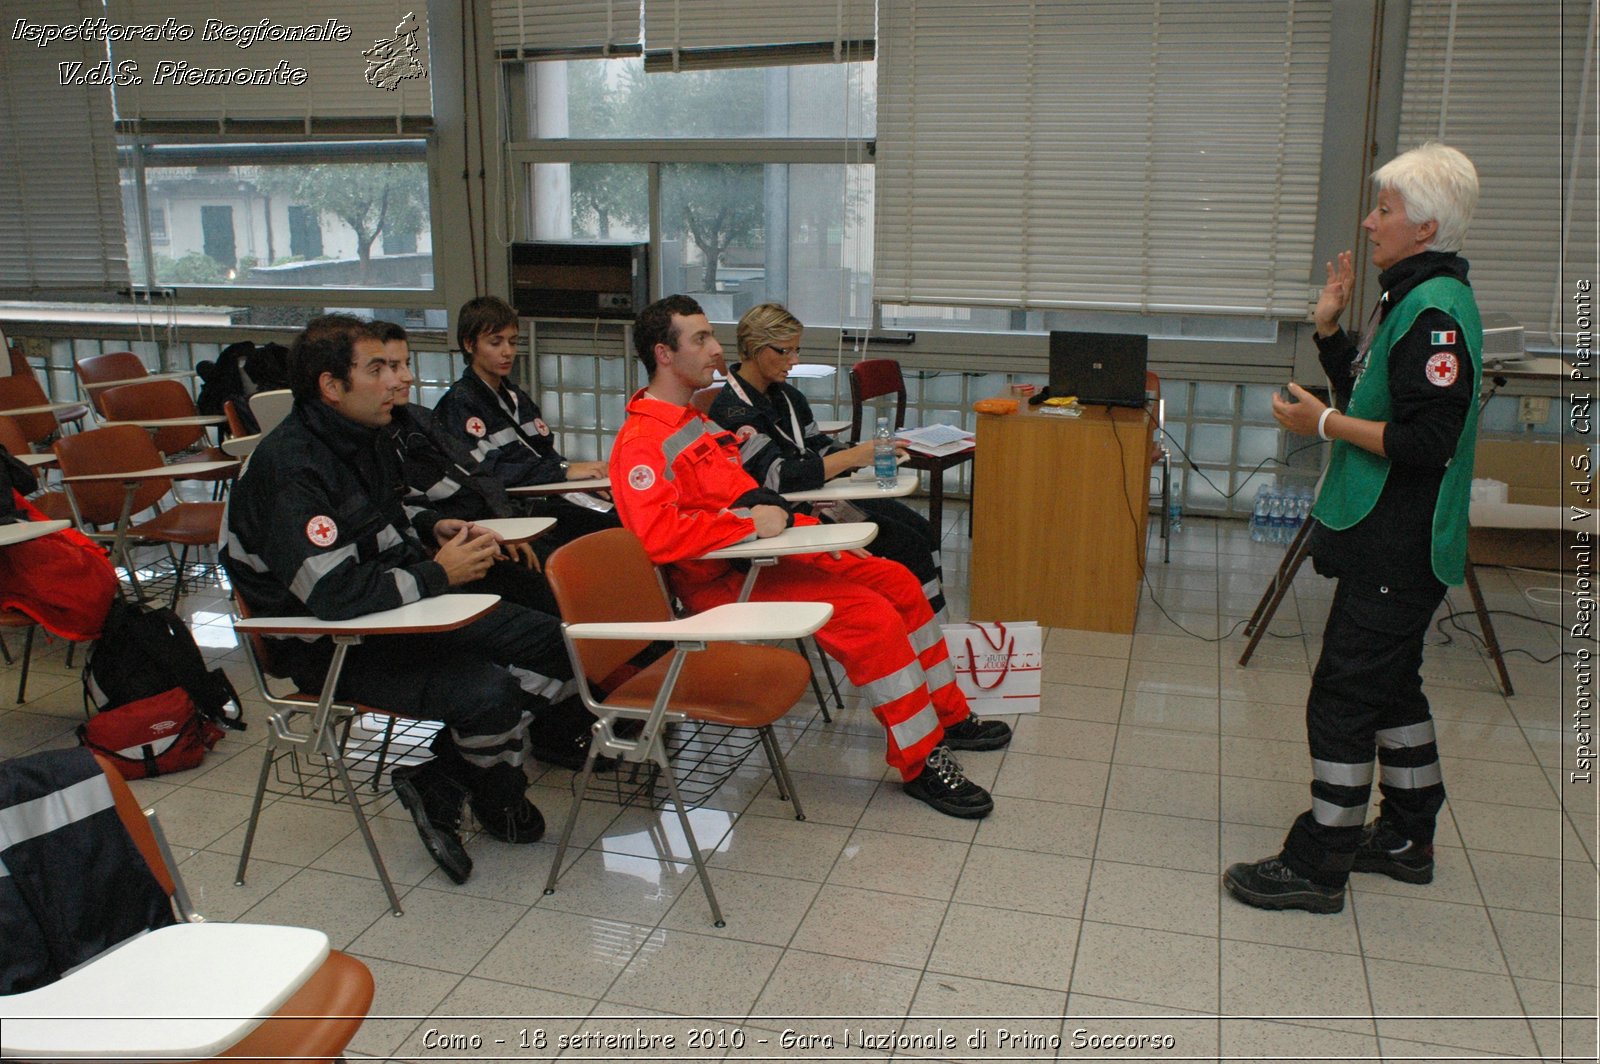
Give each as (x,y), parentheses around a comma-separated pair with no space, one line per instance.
(1533,409)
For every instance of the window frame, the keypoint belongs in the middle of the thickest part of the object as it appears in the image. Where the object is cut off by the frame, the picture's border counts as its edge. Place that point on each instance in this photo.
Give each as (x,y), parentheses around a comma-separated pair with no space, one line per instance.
(141,153)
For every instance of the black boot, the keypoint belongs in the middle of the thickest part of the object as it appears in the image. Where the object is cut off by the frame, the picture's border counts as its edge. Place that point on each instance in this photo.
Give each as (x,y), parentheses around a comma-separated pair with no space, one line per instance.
(434,801)
(561,734)
(499,801)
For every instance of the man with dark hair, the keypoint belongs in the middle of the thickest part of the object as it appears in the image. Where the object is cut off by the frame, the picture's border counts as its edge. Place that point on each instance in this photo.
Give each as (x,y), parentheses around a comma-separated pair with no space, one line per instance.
(680,488)
(318,525)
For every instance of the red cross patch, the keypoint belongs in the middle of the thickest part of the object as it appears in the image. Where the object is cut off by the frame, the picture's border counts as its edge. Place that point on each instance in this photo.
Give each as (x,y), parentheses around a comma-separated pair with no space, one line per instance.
(475,426)
(641,478)
(744,432)
(1442,369)
(321,531)
(540,427)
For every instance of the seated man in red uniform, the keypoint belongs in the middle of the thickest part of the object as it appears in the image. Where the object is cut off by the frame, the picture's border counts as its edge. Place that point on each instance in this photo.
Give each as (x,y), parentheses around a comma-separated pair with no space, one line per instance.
(680,488)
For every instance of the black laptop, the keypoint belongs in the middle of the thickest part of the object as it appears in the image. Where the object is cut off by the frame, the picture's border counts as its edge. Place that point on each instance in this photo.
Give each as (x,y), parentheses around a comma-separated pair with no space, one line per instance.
(1101,369)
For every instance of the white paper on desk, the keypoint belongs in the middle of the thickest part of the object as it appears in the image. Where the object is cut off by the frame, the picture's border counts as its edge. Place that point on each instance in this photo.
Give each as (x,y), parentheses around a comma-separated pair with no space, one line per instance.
(592,502)
(936,439)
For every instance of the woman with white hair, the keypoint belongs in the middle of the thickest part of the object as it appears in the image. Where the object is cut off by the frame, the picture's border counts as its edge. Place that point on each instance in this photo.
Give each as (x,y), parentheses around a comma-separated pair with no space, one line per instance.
(1392,529)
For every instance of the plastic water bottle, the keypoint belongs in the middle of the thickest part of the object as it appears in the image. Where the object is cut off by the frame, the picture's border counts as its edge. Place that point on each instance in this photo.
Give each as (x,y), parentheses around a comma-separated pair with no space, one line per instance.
(1259,515)
(1280,519)
(1175,517)
(884,463)
(1302,507)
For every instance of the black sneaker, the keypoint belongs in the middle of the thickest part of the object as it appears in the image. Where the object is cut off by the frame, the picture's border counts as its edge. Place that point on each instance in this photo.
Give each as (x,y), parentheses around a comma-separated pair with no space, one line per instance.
(1271,884)
(434,802)
(976,734)
(943,786)
(1385,850)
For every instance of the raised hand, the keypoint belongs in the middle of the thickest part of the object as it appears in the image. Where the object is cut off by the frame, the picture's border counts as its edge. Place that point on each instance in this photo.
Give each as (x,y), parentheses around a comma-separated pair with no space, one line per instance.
(1335,294)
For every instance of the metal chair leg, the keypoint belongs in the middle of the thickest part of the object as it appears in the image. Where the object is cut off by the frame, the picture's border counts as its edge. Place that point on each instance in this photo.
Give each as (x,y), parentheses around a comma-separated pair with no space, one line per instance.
(816,688)
(27,658)
(827,670)
(688,834)
(780,771)
(572,814)
(366,831)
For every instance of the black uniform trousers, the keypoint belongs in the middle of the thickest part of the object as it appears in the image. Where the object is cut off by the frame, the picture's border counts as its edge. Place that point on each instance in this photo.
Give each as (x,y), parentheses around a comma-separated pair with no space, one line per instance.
(907,537)
(463,679)
(1366,697)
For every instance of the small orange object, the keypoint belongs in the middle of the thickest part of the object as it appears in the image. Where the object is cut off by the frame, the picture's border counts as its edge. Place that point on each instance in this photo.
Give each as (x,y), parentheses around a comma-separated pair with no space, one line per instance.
(995,406)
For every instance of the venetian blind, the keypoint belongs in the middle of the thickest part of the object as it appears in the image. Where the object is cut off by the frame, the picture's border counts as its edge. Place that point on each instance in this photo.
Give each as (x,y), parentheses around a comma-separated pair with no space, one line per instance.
(1505,83)
(1137,156)
(538,28)
(237,71)
(60,206)
(682,33)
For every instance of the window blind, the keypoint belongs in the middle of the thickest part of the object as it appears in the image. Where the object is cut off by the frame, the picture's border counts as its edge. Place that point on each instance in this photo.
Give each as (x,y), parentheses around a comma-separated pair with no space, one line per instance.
(60,205)
(1505,84)
(238,71)
(679,34)
(550,28)
(1132,156)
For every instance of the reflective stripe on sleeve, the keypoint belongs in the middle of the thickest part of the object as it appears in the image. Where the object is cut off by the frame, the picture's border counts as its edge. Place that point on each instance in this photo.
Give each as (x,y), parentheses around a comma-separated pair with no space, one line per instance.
(317,566)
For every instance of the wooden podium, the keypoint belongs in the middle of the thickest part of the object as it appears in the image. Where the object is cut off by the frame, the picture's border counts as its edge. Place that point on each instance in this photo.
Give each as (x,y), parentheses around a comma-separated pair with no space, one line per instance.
(1059,515)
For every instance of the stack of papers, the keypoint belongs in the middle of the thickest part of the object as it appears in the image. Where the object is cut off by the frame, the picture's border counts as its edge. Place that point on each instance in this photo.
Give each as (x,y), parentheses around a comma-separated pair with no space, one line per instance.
(936,439)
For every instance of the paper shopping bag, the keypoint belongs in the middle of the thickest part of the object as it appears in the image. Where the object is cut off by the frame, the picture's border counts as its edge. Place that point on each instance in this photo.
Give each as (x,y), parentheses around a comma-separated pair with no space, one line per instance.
(997,664)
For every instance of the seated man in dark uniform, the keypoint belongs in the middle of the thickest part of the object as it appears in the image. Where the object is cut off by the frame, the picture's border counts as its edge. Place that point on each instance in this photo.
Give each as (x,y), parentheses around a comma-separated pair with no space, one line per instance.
(317,525)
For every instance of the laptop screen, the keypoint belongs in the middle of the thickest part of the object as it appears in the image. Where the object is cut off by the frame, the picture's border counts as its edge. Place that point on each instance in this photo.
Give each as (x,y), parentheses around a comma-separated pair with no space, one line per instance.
(1099,368)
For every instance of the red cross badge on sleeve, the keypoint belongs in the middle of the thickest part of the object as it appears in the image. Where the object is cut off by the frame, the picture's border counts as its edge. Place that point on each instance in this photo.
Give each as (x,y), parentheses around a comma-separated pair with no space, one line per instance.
(641,477)
(540,427)
(475,426)
(321,531)
(1442,369)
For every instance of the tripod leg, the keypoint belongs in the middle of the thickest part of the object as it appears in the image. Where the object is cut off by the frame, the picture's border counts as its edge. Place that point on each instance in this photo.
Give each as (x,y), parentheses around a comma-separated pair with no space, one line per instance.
(1489,639)
(1276,590)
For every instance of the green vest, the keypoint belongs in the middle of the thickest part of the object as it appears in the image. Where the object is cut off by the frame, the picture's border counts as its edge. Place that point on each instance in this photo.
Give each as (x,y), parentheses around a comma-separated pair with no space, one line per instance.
(1356,477)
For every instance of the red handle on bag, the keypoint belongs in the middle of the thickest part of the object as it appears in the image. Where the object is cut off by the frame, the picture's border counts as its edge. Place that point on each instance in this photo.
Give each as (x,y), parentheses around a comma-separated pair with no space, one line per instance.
(972,665)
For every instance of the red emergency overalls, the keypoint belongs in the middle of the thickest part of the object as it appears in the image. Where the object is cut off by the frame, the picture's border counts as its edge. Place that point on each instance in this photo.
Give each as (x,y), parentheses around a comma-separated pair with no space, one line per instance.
(675,477)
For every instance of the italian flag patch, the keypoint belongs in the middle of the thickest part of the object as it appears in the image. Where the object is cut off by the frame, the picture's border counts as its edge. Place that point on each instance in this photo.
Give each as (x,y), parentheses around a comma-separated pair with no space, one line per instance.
(1443,337)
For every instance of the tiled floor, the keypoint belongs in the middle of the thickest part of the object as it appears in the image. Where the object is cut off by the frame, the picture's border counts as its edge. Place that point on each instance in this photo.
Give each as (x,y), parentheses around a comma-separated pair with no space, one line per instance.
(1085,913)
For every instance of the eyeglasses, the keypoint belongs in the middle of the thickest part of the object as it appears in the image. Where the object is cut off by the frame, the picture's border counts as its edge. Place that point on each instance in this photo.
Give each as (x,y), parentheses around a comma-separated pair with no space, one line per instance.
(786,352)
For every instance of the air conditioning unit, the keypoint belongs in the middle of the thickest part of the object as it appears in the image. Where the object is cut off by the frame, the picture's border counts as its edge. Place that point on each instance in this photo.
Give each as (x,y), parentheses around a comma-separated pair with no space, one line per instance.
(579,279)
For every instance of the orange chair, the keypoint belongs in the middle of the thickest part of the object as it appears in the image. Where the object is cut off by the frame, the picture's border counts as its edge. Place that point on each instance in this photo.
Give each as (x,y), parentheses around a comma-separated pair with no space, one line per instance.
(1159,455)
(613,606)
(702,399)
(314,1023)
(53,504)
(875,378)
(159,400)
(22,390)
(72,415)
(94,371)
(237,425)
(128,449)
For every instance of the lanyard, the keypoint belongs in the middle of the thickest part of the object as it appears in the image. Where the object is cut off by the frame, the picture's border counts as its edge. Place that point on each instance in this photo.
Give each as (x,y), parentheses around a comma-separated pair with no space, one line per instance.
(799,437)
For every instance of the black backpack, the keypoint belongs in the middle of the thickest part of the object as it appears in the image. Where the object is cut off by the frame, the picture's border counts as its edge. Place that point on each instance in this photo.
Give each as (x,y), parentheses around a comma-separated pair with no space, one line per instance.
(144,652)
(241,370)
